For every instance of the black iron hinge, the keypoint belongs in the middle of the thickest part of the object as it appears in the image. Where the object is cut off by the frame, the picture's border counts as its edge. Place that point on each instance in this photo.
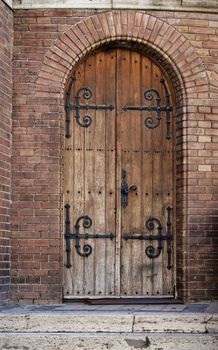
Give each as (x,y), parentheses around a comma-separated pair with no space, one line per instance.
(86,94)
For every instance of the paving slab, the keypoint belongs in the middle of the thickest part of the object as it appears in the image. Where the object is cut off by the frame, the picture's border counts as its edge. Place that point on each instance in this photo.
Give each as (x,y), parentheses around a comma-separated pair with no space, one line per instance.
(187,308)
(65,322)
(85,341)
(76,318)
(212,325)
(112,327)
(198,307)
(111,318)
(212,308)
(172,322)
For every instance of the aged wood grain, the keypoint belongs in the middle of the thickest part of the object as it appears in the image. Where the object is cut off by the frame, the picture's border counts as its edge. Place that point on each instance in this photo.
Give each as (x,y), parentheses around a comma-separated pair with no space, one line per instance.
(146,176)
(90,192)
(126,145)
(94,159)
(110,171)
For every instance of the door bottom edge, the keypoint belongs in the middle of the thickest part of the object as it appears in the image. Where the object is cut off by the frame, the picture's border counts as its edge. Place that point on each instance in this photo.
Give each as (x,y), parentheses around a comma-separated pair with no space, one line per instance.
(122,300)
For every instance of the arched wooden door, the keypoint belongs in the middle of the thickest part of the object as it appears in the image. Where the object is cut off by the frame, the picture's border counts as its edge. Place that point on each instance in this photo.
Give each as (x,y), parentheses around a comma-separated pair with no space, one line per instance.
(118,178)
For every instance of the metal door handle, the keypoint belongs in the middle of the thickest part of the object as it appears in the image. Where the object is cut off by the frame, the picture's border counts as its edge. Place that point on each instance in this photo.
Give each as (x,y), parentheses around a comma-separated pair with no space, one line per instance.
(125,189)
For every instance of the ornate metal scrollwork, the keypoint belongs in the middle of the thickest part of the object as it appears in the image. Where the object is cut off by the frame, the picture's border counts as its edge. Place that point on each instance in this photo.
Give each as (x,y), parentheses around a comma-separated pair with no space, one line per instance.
(86,94)
(150,250)
(86,221)
(149,95)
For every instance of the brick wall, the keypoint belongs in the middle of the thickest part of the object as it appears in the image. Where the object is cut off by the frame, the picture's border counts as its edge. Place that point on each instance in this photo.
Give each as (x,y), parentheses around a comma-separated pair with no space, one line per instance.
(37,151)
(6,23)
(202,162)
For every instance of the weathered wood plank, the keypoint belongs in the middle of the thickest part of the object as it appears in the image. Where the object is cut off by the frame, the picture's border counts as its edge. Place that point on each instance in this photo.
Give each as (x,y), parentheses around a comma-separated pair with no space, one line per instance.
(110,171)
(126,146)
(77,207)
(90,193)
(157,184)
(168,195)
(135,175)
(119,119)
(146,174)
(99,175)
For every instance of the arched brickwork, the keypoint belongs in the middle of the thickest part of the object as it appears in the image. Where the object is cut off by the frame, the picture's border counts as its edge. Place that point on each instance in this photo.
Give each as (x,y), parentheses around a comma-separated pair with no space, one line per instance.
(173,51)
(156,35)
(169,48)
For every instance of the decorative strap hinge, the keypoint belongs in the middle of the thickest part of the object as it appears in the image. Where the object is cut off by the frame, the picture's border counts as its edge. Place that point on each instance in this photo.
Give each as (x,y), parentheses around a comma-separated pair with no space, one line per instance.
(151,251)
(149,95)
(87,94)
(86,250)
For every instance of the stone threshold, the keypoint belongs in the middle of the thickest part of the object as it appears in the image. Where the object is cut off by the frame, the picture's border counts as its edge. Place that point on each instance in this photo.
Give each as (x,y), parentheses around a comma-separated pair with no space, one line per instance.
(198,318)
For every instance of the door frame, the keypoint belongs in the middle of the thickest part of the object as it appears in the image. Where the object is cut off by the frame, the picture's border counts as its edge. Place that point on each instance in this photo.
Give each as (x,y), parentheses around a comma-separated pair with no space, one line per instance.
(127,44)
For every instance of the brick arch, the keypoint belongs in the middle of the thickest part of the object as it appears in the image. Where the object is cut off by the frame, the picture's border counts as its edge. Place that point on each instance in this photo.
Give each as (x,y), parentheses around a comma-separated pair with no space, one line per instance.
(170,47)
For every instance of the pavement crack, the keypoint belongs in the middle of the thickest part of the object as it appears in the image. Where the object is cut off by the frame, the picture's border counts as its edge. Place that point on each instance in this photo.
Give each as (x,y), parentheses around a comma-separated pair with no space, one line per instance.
(206,320)
(133,324)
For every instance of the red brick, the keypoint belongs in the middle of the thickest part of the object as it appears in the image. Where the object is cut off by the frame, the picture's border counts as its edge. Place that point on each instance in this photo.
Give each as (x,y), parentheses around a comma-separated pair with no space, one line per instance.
(5,139)
(40,55)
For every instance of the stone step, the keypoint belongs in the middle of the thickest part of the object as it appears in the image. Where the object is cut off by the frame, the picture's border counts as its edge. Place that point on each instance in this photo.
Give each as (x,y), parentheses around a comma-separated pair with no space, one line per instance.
(105,341)
(125,327)
(110,321)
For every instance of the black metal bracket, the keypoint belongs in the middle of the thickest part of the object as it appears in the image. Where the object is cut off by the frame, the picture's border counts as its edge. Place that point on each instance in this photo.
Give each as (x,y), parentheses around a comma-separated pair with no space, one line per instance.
(149,95)
(151,224)
(87,94)
(86,250)
(125,189)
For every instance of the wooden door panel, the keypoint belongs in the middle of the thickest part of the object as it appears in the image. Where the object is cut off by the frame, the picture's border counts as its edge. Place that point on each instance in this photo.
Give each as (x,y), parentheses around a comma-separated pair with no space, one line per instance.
(99,176)
(89,178)
(74,165)
(146,171)
(131,256)
(157,185)
(93,149)
(95,157)
(125,139)
(147,162)
(135,175)
(110,173)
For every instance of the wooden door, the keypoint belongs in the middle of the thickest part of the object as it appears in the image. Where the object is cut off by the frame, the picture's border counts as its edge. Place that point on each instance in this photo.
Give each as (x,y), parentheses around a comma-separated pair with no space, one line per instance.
(118,178)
